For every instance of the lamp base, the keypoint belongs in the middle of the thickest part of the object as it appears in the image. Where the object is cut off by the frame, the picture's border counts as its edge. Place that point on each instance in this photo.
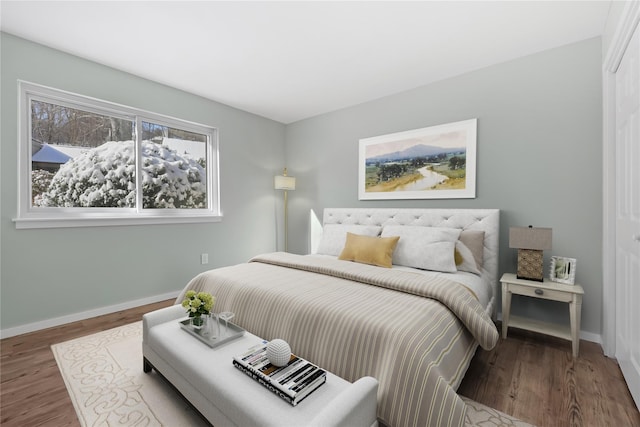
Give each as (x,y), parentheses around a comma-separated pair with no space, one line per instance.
(530,265)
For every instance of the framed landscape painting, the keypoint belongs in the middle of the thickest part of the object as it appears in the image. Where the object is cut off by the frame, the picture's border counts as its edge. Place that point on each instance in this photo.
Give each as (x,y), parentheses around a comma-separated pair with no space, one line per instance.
(437,162)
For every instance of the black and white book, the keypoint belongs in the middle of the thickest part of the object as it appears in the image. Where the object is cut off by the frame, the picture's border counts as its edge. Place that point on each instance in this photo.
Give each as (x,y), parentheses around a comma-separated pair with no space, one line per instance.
(292,382)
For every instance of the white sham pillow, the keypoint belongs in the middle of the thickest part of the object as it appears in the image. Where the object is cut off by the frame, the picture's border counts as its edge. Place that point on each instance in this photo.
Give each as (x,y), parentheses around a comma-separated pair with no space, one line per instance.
(334,236)
(427,248)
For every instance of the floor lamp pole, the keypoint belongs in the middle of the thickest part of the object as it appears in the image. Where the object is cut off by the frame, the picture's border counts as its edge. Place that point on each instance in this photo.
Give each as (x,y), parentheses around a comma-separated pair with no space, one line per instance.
(286,223)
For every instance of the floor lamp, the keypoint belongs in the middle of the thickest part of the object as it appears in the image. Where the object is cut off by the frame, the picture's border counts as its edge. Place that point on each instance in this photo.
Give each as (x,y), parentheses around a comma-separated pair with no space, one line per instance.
(285,183)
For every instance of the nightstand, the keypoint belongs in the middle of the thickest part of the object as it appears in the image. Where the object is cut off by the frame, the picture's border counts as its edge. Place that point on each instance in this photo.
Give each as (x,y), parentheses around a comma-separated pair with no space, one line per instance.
(554,291)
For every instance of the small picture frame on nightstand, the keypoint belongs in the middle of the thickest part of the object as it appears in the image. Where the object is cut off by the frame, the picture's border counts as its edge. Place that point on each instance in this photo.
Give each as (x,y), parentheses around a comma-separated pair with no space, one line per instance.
(563,270)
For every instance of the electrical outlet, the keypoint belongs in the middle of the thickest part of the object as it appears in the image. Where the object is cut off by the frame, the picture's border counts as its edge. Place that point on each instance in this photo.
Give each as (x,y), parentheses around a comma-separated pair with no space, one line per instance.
(204,258)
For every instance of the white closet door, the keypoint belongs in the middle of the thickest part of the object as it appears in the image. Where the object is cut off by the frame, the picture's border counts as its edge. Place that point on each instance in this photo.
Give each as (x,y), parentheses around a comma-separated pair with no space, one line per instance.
(628,216)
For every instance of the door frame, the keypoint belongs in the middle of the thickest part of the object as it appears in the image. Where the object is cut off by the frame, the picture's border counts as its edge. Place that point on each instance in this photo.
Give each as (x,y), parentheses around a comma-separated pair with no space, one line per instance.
(627,24)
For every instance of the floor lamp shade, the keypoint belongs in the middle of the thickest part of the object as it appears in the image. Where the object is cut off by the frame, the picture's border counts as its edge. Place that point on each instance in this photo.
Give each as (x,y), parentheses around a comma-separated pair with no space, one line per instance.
(530,242)
(285,183)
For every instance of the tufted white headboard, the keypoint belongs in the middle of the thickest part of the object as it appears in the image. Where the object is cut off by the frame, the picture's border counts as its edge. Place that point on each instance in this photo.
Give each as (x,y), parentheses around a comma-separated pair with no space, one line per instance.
(487,220)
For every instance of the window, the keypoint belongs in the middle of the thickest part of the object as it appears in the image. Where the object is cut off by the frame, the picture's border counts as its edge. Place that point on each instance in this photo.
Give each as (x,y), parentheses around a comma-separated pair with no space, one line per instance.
(89,162)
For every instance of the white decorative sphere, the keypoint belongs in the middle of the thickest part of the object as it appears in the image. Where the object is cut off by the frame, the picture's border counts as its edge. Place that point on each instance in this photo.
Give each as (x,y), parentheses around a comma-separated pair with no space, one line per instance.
(278,352)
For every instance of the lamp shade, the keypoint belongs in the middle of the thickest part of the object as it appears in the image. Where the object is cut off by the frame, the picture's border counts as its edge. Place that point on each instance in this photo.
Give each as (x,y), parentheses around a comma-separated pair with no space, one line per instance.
(530,238)
(281,182)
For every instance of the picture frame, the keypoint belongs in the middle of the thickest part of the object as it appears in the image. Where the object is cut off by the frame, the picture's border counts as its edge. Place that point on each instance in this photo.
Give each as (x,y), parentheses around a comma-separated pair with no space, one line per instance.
(563,270)
(436,162)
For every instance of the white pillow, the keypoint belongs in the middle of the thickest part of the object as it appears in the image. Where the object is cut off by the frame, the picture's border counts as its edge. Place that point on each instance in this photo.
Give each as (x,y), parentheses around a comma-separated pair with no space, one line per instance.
(334,236)
(428,248)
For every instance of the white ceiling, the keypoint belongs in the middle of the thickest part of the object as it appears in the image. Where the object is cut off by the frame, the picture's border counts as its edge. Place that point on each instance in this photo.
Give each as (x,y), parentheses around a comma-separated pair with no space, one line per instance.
(292,60)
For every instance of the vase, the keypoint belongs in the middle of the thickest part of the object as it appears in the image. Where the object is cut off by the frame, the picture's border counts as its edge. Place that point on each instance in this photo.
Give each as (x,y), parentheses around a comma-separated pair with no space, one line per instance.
(198,322)
(213,326)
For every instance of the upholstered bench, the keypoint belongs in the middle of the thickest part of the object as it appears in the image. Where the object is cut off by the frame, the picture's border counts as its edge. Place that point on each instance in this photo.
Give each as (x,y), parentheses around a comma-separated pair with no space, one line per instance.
(225,396)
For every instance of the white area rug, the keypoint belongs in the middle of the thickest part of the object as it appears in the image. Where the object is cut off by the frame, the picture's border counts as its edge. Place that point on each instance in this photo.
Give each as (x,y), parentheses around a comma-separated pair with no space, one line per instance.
(104,378)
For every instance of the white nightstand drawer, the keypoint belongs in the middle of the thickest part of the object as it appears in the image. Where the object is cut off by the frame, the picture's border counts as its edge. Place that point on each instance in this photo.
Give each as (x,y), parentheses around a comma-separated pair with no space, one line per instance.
(540,292)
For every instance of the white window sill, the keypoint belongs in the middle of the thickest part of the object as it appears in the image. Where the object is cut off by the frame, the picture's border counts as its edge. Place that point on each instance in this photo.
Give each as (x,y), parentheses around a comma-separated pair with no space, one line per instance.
(101,221)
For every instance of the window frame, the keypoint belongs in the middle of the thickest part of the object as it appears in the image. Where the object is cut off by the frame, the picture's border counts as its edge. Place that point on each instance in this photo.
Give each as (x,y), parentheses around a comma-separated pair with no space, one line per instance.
(29,216)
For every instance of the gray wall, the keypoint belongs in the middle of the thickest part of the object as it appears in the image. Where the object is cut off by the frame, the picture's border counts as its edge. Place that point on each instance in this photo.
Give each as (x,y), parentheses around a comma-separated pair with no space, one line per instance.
(49,273)
(539,161)
(539,158)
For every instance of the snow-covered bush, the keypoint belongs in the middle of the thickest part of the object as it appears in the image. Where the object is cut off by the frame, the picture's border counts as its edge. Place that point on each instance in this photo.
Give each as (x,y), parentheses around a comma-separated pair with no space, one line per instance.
(171,180)
(105,177)
(40,181)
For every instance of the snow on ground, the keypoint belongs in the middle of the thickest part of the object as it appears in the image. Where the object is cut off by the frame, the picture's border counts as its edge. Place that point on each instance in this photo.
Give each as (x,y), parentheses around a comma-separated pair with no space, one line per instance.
(195,149)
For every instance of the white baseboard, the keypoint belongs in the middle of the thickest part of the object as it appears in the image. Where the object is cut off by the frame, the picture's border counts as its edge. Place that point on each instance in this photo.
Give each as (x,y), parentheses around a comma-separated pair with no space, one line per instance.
(57,321)
(590,336)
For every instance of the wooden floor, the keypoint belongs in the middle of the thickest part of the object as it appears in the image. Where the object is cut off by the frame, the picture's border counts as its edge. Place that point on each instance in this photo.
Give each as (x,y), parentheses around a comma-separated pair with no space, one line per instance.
(32,392)
(535,378)
(529,376)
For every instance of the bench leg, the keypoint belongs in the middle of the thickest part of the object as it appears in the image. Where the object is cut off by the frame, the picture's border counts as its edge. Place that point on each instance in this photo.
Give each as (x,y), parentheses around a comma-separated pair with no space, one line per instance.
(146,365)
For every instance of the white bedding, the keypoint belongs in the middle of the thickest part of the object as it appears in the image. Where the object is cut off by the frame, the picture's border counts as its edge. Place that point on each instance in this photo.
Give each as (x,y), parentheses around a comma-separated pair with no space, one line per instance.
(477,284)
(480,287)
(485,285)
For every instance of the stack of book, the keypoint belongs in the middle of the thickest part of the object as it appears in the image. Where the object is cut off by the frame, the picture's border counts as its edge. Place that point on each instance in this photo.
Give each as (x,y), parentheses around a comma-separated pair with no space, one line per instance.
(292,382)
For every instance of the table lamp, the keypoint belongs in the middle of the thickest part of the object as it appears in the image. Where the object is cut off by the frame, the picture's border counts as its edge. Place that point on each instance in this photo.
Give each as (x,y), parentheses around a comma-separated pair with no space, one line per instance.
(530,242)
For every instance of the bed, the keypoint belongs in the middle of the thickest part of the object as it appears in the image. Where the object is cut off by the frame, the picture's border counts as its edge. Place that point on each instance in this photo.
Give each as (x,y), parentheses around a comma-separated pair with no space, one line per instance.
(410,313)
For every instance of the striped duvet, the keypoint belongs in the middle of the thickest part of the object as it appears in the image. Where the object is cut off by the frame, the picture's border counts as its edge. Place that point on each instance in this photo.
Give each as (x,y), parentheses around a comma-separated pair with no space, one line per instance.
(414,334)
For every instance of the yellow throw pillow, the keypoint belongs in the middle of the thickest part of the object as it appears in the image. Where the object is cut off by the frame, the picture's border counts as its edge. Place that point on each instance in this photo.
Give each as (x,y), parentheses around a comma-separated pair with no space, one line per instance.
(369,250)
